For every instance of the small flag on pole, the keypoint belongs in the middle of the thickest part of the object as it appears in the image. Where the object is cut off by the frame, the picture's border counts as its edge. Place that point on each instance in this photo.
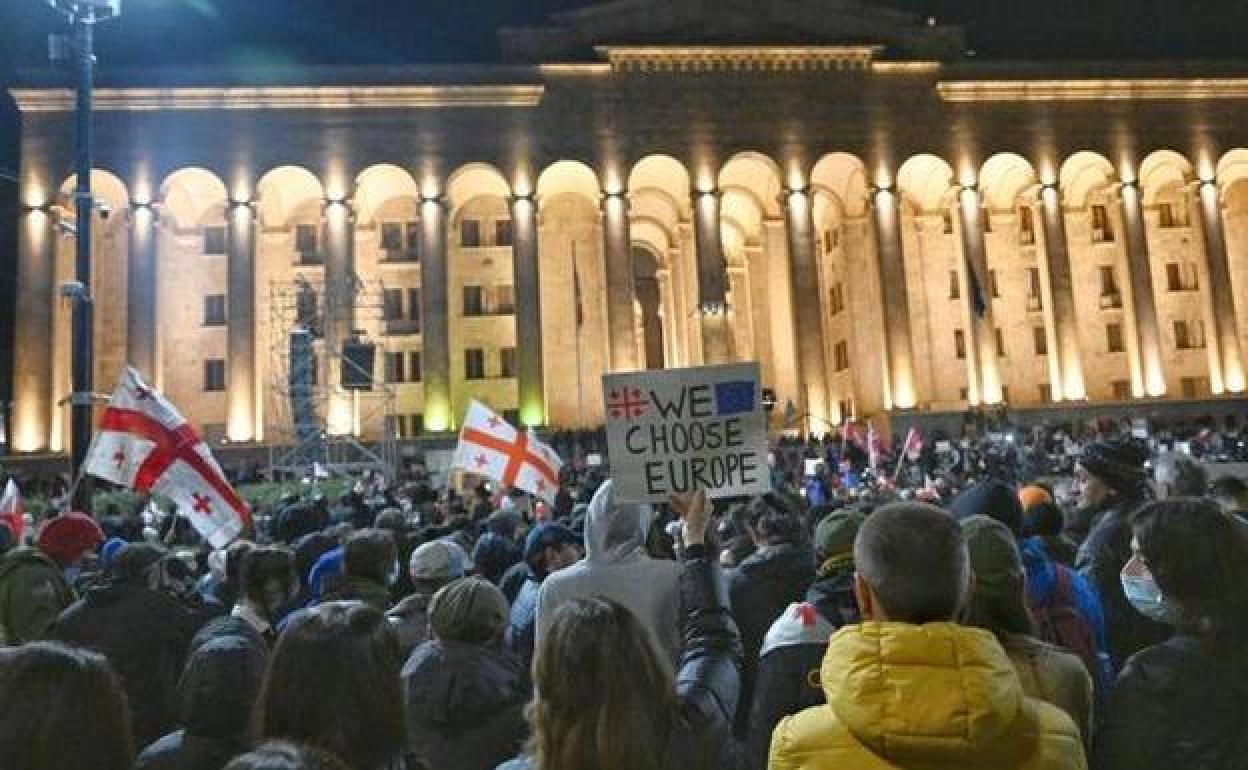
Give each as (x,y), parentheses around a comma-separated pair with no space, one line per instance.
(145,444)
(12,511)
(914,444)
(489,446)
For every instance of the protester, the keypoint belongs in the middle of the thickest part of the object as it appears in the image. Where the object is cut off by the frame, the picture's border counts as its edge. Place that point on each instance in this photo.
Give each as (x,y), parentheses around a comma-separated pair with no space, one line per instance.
(432,566)
(268,584)
(280,755)
(465,694)
(1182,703)
(1112,481)
(36,584)
(1232,494)
(616,567)
(908,687)
(547,549)
(623,708)
(61,709)
(1044,522)
(370,567)
(333,682)
(764,584)
(143,631)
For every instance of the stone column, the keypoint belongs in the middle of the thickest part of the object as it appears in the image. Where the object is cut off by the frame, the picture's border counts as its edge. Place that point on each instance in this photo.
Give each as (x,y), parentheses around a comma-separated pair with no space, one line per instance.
(33,386)
(1225,321)
(532,396)
(898,351)
(712,307)
(618,251)
(983,337)
(811,361)
(435,337)
(1057,261)
(1139,266)
(141,292)
(240,296)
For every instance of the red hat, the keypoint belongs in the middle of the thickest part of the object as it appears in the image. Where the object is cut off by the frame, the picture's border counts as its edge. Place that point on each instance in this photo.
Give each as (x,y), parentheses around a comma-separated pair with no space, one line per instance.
(68,536)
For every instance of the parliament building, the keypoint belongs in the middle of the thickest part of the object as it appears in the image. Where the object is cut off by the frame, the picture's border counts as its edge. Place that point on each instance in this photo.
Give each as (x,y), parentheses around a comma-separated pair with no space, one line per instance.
(887,224)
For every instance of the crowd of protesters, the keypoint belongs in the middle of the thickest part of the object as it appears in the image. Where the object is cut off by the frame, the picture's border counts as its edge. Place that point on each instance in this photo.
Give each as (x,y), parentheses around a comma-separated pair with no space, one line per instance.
(1046,602)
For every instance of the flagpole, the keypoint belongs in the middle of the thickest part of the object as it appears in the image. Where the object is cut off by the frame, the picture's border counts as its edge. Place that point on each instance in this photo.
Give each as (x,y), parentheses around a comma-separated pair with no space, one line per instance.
(577,317)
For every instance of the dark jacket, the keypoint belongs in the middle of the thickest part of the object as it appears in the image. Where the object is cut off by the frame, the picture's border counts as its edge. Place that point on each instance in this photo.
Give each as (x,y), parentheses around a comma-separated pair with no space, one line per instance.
(145,635)
(1176,705)
(708,677)
(522,628)
(761,588)
(1101,559)
(410,621)
(33,592)
(465,705)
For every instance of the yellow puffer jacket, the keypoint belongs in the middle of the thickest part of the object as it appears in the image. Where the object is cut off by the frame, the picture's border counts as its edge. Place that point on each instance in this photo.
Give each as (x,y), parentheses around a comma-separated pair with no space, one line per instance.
(933,697)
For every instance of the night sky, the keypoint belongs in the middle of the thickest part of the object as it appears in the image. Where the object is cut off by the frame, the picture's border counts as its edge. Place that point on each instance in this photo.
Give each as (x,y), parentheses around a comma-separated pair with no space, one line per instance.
(169,33)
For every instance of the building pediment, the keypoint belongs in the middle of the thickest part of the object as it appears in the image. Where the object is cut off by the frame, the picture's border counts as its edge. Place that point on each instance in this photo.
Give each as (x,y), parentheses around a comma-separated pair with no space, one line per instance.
(574,35)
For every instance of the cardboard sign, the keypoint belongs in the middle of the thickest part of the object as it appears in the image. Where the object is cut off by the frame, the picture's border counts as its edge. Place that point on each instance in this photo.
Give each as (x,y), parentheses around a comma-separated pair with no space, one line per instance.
(673,430)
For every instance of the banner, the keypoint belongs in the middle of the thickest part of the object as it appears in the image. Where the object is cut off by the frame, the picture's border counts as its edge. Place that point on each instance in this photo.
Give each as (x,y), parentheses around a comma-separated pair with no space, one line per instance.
(489,446)
(673,430)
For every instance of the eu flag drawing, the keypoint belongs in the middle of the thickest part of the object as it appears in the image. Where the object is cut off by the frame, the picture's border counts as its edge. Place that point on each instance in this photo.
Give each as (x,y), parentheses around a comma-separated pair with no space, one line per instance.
(734,397)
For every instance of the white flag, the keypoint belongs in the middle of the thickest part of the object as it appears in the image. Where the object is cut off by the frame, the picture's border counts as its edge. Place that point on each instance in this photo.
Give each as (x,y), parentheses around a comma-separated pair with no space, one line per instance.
(145,444)
(490,447)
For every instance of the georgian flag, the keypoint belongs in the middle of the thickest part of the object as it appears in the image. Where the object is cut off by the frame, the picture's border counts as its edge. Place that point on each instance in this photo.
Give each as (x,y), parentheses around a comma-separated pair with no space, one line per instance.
(913,448)
(12,512)
(490,447)
(144,443)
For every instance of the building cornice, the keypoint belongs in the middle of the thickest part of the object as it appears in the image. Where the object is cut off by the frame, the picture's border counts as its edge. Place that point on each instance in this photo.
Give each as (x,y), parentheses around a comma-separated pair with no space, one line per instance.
(32,100)
(1093,89)
(737,58)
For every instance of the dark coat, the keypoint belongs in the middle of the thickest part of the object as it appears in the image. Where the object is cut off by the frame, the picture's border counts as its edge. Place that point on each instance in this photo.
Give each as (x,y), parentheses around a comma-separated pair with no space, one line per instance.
(33,592)
(1101,559)
(145,635)
(1176,705)
(761,588)
(708,677)
(465,705)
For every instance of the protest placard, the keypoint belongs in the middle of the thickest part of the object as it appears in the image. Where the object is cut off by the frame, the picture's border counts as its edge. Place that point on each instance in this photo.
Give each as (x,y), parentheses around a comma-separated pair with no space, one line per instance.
(670,431)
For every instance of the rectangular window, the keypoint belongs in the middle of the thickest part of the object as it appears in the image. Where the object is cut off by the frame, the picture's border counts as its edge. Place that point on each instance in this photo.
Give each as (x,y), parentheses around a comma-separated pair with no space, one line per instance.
(394,425)
(413,306)
(392,304)
(1195,387)
(507,363)
(1182,276)
(214,240)
(307,239)
(412,232)
(959,343)
(474,301)
(1040,339)
(1172,215)
(415,425)
(1110,297)
(1005,393)
(1046,393)
(502,232)
(841,354)
(415,368)
(214,310)
(470,233)
(993,288)
(1113,338)
(946,222)
(394,368)
(1189,335)
(1000,342)
(964,394)
(1026,226)
(1034,295)
(391,237)
(504,299)
(836,299)
(214,375)
(1121,390)
(831,239)
(955,288)
(474,364)
(307,310)
(1102,230)
(985,217)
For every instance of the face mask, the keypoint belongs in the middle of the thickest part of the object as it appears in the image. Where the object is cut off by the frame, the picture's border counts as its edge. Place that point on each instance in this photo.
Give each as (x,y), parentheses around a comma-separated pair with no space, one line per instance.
(1146,597)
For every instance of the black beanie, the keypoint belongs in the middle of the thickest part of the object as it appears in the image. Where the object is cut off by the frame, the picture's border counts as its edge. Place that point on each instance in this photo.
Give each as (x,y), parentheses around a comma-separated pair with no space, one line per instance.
(1120,464)
(994,499)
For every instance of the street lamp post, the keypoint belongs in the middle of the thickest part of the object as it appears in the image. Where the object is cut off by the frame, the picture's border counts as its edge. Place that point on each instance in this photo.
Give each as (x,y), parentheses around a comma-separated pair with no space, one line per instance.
(82,16)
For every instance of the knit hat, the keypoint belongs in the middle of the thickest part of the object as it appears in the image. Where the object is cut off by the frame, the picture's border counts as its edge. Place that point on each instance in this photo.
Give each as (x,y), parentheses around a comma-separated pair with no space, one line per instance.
(436,560)
(65,538)
(326,574)
(1119,464)
(994,499)
(995,560)
(469,610)
(108,551)
(1033,495)
(834,536)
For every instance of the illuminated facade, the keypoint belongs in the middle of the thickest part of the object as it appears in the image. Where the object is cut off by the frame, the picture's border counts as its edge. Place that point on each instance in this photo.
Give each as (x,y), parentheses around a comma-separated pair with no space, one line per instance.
(883,225)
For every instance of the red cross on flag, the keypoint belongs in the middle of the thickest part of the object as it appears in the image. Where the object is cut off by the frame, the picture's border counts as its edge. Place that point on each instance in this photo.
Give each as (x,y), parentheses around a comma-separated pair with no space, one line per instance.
(145,444)
(490,447)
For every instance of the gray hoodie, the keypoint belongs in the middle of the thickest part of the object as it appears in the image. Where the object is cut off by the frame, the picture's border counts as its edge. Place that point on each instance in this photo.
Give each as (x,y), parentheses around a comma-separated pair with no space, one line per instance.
(616,567)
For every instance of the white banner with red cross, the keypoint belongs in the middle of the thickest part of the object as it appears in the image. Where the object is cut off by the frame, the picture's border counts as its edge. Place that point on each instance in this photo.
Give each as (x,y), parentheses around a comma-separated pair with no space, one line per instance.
(489,446)
(145,444)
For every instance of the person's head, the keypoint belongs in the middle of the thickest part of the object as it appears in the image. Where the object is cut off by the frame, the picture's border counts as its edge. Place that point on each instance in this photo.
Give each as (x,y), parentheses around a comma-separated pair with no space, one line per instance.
(771,522)
(994,499)
(1179,475)
(1231,493)
(371,554)
(611,725)
(835,533)
(1111,469)
(333,681)
(435,564)
(280,755)
(62,708)
(268,579)
(470,610)
(308,549)
(219,686)
(391,520)
(69,539)
(995,602)
(1043,519)
(135,563)
(235,555)
(1197,556)
(912,564)
(551,547)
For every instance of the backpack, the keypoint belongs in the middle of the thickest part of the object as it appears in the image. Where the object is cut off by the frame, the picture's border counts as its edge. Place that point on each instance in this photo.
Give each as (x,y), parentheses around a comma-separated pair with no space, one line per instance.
(1059,621)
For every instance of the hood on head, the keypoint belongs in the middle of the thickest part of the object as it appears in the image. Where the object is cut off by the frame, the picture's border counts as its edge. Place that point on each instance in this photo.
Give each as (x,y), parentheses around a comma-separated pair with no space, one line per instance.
(938,692)
(614,530)
(219,687)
